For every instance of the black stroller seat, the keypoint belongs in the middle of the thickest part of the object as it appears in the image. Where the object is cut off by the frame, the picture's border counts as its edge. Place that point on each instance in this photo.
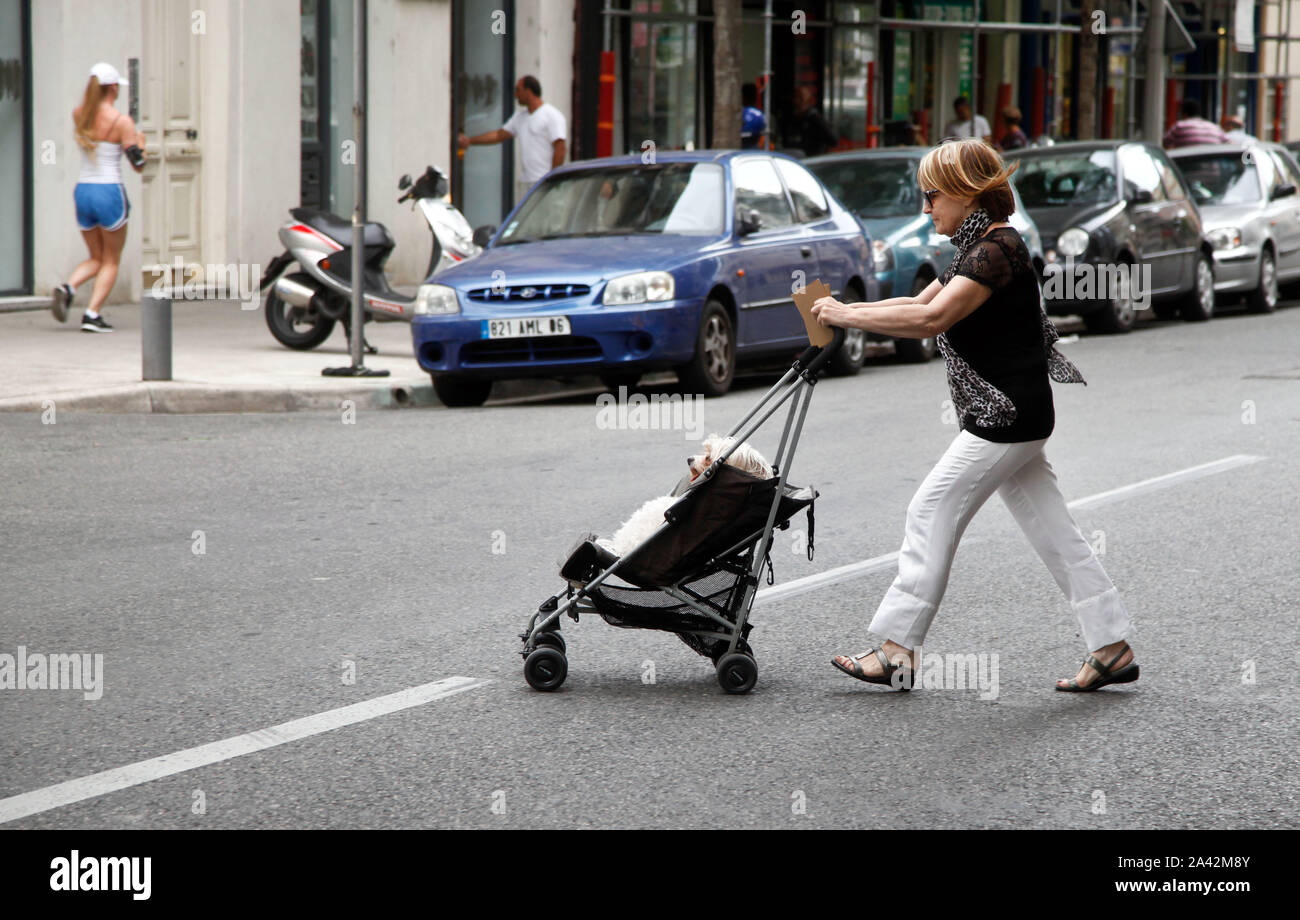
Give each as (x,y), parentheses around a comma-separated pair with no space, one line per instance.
(704,554)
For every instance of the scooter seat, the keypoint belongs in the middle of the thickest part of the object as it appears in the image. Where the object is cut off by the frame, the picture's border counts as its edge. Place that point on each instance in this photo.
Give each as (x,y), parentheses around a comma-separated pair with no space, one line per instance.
(335,227)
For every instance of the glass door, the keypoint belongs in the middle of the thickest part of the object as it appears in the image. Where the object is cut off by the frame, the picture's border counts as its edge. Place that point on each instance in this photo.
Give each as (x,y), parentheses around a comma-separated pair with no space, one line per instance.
(483,62)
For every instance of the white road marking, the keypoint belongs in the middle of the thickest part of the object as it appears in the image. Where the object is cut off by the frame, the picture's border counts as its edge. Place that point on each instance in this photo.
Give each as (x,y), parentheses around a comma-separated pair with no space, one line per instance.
(145,771)
(1161,482)
(798,586)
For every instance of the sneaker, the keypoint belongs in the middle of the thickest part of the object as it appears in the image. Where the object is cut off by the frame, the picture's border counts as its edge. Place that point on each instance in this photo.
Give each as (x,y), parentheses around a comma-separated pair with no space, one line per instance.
(98,324)
(60,300)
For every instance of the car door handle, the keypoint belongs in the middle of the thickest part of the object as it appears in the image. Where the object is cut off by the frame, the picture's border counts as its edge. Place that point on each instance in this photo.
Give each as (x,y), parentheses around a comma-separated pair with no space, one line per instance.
(806,251)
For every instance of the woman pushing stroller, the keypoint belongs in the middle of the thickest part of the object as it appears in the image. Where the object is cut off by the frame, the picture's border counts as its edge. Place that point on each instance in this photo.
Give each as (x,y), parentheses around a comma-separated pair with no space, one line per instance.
(986,312)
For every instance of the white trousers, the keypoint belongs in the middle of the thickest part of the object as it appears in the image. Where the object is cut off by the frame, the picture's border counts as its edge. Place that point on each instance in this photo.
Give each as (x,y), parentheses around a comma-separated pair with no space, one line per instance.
(963,479)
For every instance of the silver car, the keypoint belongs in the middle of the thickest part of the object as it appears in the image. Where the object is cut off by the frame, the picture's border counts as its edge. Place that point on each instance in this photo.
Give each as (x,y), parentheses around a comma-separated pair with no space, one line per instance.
(1251,209)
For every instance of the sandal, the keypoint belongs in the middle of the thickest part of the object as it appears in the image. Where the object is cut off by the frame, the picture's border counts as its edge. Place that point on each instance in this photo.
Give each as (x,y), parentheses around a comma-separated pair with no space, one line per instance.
(1125,675)
(904,681)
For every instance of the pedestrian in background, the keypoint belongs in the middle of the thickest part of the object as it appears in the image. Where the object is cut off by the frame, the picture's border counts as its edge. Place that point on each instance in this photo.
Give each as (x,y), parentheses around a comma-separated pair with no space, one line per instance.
(100,197)
(999,347)
(541,130)
(1015,138)
(752,123)
(1235,130)
(1191,128)
(809,130)
(966,124)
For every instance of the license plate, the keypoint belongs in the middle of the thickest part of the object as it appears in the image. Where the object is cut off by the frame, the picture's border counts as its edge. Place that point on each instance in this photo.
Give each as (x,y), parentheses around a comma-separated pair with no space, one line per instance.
(525,327)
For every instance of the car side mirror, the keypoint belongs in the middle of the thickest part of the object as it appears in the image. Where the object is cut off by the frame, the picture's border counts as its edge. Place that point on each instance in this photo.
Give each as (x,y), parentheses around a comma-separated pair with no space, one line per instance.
(1141,196)
(1284,190)
(483,235)
(749,220)
(404,182)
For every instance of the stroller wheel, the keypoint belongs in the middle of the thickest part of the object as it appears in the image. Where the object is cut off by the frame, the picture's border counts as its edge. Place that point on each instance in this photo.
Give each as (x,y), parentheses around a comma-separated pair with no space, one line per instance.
(551,639)
(737,672)
(546,668)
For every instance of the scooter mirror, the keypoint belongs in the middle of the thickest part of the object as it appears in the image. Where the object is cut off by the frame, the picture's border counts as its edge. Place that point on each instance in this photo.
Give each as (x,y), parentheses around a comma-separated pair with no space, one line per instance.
(404,182)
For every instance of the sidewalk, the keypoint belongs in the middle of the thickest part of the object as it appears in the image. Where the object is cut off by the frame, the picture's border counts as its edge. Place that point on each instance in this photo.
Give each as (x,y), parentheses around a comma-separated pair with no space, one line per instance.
(223,360)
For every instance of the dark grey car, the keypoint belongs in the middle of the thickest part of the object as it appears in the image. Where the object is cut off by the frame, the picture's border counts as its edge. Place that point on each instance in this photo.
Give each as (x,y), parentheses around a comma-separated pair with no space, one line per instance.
(1248,197)
(1120,231)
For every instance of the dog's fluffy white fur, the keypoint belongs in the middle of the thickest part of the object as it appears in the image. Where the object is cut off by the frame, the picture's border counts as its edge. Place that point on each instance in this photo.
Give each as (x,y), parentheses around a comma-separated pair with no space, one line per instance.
(650,516)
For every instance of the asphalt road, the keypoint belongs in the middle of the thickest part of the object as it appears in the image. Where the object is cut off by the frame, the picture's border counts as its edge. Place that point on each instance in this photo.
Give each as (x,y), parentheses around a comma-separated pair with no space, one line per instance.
(414,544)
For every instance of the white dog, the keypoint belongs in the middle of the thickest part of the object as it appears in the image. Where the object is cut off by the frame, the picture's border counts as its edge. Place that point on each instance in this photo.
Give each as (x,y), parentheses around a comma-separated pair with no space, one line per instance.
(650,516)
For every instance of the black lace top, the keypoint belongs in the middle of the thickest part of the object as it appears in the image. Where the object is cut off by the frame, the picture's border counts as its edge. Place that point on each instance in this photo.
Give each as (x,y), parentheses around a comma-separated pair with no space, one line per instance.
(1000,356)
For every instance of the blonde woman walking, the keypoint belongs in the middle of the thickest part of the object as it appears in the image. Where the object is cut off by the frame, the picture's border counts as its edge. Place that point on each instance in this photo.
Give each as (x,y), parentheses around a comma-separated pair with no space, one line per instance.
(101,203)
(986,311)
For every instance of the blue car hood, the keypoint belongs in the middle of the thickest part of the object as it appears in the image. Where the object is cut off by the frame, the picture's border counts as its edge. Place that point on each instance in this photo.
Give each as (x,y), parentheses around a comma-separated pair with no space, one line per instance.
(578,260)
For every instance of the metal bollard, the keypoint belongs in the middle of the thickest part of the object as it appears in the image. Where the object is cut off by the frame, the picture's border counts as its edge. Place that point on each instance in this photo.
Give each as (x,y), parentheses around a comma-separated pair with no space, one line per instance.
(156,338)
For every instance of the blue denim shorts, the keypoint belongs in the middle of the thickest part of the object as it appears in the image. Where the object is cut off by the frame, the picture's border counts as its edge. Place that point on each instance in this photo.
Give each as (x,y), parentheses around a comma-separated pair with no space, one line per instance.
(101,205)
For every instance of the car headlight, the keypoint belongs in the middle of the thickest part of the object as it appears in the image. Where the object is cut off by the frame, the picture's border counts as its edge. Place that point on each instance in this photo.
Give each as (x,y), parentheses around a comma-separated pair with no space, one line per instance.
(1225,238)
(641,287)
(1072,243)
(434,299)
(882,257)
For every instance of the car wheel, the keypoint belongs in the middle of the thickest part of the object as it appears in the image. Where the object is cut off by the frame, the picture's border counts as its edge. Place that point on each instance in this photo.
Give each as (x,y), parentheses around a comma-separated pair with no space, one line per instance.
(713,368)
(1117,315)
(848,360)
(1264,298)
(917,351)
(1199,304)
(461,392)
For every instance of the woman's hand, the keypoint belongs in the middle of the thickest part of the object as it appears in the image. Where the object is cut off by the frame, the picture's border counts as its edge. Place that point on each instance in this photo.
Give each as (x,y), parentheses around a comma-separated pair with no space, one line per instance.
(830,312)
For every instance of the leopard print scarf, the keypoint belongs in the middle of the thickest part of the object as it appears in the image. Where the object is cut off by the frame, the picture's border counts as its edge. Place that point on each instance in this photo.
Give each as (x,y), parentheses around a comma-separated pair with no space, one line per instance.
(971,393)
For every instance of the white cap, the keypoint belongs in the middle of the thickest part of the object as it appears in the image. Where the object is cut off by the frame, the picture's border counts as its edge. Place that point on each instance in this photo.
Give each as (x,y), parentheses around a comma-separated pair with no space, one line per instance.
(107,74)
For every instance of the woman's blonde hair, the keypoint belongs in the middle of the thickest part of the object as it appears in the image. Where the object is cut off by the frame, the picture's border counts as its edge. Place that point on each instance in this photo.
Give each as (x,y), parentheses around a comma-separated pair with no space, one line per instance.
(89,111)
(970,168)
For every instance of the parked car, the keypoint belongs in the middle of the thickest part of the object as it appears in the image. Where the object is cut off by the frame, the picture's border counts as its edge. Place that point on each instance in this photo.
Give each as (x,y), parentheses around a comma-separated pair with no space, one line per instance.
(881,188)
(1105,204)
(1248,197)
(618,267)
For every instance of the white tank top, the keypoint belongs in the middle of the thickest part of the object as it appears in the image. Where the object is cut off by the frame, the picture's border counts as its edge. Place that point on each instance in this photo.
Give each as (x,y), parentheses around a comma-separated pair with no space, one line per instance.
(103,166)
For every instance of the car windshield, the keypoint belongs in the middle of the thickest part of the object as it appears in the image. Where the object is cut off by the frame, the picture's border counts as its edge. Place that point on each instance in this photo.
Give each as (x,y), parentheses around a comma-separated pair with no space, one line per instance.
(873,187)
(1221,178)
(1066,180)
(620,200)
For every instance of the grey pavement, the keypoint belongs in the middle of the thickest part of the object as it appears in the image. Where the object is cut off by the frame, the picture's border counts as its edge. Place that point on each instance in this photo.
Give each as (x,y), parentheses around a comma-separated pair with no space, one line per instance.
(414,544)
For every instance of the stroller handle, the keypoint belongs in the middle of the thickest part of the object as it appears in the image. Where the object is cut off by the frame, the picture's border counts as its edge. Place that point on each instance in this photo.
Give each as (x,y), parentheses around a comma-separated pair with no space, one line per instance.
(815,357)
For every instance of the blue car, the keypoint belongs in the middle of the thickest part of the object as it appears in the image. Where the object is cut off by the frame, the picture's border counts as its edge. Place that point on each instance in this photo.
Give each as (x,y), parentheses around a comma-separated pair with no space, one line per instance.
(618,267)
(880,187)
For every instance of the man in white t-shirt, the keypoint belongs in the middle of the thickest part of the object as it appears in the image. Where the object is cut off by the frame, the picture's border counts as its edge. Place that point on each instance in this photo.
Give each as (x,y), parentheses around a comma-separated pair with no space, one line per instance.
(541,131)
(964,126)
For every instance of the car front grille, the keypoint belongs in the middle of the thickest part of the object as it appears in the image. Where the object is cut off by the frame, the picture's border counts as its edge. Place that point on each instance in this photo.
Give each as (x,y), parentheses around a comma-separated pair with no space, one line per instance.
(550,348)
(528,293)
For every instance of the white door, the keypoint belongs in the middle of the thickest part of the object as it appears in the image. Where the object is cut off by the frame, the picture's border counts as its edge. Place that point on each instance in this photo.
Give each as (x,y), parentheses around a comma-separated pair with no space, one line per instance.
(169,119)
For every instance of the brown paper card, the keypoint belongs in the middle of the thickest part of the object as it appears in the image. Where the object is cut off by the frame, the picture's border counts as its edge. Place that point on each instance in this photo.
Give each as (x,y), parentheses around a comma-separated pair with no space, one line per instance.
(818,334)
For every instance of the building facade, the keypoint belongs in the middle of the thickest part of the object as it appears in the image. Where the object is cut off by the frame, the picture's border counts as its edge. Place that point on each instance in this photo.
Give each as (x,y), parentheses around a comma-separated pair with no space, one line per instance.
(247,104)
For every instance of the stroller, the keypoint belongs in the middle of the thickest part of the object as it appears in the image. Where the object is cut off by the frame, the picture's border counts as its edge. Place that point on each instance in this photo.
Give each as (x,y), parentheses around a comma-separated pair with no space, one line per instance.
(697,574)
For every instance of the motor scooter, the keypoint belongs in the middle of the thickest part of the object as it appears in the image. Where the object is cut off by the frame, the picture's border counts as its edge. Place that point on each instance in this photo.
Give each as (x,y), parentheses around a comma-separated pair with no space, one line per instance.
(311,281)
